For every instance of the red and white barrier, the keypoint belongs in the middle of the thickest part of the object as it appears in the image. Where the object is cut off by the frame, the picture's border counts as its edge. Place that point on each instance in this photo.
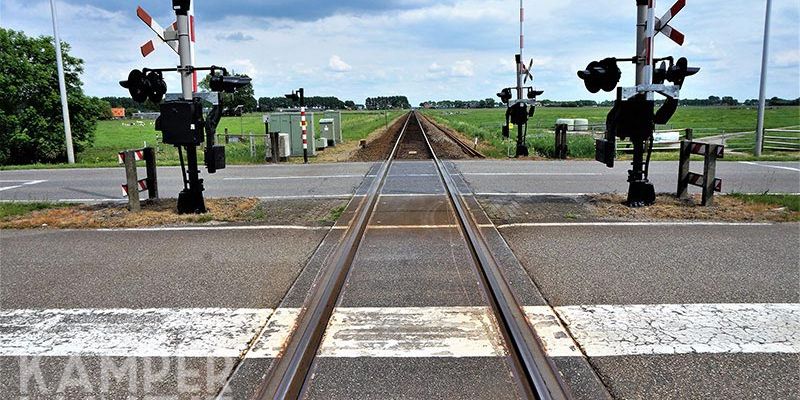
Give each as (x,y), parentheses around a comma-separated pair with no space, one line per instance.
(699,180)
(138,156)
(701,148)
(141,183)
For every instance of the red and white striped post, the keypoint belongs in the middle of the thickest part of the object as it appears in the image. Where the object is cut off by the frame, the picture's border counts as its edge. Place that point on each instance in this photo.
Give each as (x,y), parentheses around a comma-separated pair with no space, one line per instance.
(304,127)
(645,32)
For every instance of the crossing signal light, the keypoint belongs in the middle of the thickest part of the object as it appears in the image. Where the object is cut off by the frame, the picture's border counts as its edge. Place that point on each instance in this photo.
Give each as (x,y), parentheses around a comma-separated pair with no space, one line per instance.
(678,73)
(228,84)
(505,95)
(145,86)
(603,74)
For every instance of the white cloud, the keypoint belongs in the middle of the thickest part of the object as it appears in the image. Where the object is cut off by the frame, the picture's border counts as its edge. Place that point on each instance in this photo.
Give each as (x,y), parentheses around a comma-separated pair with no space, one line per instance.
(430,50)
(462,69)
(336,64)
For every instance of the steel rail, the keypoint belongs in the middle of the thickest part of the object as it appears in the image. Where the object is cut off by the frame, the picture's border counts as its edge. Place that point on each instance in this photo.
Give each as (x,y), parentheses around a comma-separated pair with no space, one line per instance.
(287,377)
(464,146)
(540,372)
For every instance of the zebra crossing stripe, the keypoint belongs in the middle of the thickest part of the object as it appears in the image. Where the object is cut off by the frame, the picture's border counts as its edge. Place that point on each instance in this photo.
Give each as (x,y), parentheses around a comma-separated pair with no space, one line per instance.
(403,332)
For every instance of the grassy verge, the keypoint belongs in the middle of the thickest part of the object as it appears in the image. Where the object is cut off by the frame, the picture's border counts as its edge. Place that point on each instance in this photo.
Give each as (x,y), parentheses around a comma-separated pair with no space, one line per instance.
(14,209)
(112,137)
(485,124)
(789,201)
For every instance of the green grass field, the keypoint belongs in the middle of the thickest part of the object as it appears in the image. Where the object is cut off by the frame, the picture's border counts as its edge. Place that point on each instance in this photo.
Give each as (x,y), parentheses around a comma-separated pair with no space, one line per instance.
(706,121)
(114,136)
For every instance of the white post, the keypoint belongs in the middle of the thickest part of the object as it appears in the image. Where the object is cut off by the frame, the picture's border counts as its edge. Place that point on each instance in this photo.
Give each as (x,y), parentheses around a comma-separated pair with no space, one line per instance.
(185,53)
(520,61)
(763,90)
(62,87)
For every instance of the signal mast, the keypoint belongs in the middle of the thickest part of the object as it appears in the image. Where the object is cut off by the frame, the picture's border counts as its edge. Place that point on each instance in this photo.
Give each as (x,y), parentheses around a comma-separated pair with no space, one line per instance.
(633,115)
(519,111)
(181,121)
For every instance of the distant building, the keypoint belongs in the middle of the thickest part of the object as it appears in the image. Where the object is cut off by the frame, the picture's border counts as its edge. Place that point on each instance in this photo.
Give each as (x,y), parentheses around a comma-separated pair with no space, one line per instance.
(146,115)
(118,113)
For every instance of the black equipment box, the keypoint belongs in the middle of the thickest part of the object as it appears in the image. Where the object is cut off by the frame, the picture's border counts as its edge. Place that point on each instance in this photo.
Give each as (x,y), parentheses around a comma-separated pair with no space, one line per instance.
(181,122)
(215,158)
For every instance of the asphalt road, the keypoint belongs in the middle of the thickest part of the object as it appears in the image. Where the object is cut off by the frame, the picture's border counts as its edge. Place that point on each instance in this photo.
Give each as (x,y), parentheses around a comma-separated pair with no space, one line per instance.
(709,307)
(683,270)
(107,280)
(490,177)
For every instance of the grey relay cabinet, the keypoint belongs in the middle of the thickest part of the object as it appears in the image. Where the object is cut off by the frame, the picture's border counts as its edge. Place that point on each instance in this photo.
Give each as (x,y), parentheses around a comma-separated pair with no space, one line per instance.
(289,122)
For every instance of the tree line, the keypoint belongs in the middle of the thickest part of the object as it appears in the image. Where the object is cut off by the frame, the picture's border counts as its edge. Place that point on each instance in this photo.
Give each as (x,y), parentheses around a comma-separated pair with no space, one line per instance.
(387,102)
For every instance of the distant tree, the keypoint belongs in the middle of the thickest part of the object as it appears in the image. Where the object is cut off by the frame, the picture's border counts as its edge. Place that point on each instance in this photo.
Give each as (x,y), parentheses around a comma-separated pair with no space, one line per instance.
(31,126)
(244,96)
(350,104)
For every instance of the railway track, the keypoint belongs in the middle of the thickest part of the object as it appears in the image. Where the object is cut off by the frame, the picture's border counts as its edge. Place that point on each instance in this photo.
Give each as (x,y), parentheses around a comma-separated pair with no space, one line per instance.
(465,147)
(534,374)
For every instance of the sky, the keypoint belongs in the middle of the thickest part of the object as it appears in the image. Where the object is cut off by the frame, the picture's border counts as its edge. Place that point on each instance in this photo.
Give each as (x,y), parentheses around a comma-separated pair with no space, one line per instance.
(424,49)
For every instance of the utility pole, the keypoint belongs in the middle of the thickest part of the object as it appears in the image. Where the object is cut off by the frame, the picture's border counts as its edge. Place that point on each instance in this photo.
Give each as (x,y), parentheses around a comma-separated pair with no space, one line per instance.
(62,87)
(763,90)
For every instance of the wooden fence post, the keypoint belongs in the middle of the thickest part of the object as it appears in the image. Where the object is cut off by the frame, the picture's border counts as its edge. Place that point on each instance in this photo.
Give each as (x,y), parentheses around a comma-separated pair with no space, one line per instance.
(152,176)
(709,174)
(132,181)
(683,168)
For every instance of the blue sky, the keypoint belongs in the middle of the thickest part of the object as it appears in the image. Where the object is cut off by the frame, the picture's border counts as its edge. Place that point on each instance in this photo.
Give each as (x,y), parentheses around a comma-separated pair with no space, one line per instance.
(446,49)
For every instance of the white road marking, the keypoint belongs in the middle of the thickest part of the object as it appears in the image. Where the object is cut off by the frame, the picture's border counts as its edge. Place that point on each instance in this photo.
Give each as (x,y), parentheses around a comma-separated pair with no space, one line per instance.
(24,183)
(531,173)
(194,332)
(275,333)
(770,166)
(598,330)
(450,226)
(557,342)
(664,223)
(217,228)
(412,194)
(618,330)
(277,178)
(501,194)
(309,196)
(412,332)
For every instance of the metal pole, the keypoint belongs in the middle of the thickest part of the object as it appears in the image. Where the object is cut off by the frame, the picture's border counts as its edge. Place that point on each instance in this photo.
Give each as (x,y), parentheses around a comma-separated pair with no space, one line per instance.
(185,53)
(520,60)
(62,87)
(763,90)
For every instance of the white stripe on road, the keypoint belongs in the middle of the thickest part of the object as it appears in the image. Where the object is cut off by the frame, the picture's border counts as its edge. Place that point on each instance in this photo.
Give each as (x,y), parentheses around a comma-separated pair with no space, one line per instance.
(277,178)
(193,332)
(531,173)
(598,330)
(533,194)
(309,196)
(664,223)
(25,183)
(412,332)
(619,330)
(218,228)
(412,226)
(770,166)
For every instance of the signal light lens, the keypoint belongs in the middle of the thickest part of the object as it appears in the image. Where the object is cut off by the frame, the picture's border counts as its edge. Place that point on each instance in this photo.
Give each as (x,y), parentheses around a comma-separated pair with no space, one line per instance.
(228,84)
(138,85)
(603,74)
(158,88)
(505,95)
